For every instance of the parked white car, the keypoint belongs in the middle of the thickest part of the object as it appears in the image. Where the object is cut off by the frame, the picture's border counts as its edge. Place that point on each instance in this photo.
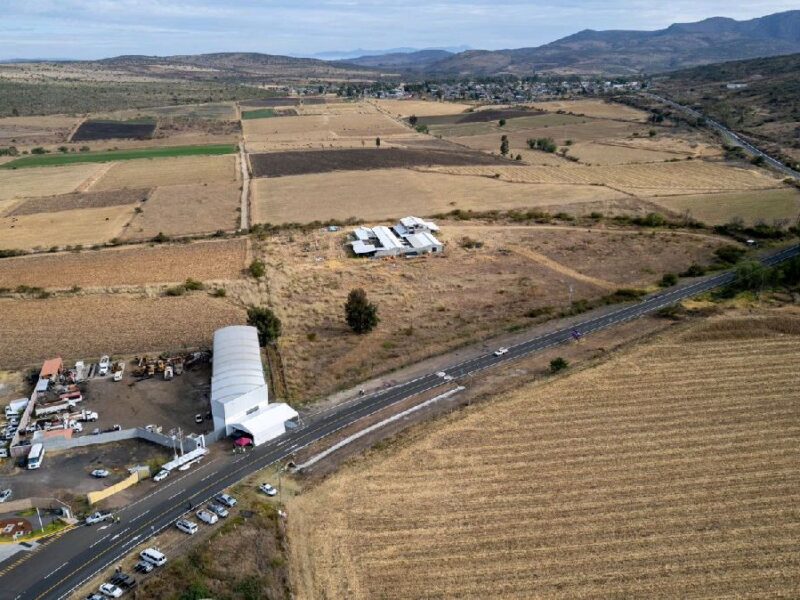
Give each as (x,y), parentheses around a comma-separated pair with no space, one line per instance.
(186,526)
(5,495)
(110,590)
(100,473)
(268,489)
(104,365)
(500,351)
(206,516)
(161,475)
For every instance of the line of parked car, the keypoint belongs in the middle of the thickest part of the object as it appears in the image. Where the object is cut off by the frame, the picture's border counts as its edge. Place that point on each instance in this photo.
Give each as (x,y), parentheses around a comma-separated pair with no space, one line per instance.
(214,510)
(120,583)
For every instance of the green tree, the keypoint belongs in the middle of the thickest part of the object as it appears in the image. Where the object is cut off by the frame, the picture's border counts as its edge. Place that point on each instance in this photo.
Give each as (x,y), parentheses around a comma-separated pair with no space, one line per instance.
(413,120)
(729,254)
(378,142)
(267,323)
(361,314)
(502,122)
(558,364)
(504,145)
(257,268)
(753,276)
(669,279)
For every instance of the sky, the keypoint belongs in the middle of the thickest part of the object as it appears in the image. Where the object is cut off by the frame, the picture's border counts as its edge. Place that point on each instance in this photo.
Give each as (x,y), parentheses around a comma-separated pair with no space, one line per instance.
(88,29)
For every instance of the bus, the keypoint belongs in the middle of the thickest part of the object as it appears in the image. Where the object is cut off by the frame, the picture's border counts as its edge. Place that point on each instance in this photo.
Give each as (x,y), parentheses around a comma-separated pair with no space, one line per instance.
(35,456)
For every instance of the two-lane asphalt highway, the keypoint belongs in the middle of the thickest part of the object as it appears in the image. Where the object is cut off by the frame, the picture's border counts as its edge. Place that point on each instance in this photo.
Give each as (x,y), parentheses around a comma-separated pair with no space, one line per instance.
(61,566)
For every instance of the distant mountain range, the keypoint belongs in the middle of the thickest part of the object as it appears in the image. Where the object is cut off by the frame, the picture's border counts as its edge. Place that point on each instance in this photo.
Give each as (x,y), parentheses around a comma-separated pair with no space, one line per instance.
(362,53)
(589,52)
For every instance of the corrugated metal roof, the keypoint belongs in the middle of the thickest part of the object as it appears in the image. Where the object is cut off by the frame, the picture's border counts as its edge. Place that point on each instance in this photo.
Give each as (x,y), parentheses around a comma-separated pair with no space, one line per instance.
(360,247)
(387,238)
(236,366)
(51,367)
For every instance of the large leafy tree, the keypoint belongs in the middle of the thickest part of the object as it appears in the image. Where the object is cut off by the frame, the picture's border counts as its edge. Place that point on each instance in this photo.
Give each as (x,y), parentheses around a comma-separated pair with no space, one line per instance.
(267,323)
(360,313)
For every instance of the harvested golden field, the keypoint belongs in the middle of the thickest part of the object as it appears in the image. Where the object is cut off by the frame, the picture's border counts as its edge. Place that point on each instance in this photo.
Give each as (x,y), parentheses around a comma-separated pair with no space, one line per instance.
(390,193)
(648,179)
(187,209)
(595,108)
(76,200)
(604,153)
(156,172)
(420,108)
(768,206)
(84,226)
(88,326)
(433,304)
(45,181)
(325,142)
(203,261)
(669,471)
(367,123)
(30,131)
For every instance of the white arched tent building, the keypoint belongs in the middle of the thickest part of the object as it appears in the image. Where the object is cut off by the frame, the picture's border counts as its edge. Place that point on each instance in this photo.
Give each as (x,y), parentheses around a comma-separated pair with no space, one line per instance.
(239,393)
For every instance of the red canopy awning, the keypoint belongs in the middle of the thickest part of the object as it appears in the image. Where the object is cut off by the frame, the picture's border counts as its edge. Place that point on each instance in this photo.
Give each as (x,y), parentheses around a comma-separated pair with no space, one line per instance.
(243,441)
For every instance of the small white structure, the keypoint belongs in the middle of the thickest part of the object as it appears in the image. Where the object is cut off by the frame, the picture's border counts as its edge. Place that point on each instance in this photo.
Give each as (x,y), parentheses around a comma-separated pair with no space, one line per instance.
(239,393)
(411,237)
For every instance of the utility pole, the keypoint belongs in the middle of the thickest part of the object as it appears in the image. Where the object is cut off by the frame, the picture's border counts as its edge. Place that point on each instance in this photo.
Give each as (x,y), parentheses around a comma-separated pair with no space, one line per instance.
(41,525)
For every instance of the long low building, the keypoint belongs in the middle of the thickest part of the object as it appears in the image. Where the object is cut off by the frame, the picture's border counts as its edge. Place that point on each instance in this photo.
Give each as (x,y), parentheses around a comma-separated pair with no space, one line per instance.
(239,393)
(411,237)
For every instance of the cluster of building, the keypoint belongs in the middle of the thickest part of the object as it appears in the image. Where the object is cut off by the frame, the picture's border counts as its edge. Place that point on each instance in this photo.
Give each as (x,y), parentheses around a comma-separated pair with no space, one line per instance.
(412,236)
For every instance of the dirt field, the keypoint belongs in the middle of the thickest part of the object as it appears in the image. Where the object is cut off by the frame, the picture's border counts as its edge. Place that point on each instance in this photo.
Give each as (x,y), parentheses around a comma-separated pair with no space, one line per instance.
(225,111)
(753,206)
(92,130)
(203,261)
(390,193)
(168,171)
(595,108)
(420,108)
(76,201)
(279,164)
(436,303)
(647,180)
(665,472)
(31,131)
(45,181)
(83,327)
(84,226)
(187,209)
(367,123)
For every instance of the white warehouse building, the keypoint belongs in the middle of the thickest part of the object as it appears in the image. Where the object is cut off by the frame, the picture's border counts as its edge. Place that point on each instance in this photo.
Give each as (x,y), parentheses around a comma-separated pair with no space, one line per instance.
(411,237)
(239,393)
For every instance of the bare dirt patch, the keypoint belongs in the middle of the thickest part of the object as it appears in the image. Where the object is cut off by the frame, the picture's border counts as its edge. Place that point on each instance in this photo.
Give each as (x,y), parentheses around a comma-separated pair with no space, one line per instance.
(392,193)
(676,478)
(45,181)
(203,261)
(187,209)
(420,108)
(88,326)
(169,171)
(106,130)
(76,201)
(31,131)
(366,122)
(278,164)
(434,304)
(84,226)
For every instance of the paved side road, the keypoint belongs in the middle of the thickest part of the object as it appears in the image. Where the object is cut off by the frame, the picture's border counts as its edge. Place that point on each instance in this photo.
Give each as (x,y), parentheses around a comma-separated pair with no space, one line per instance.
(731,135)
(62,565)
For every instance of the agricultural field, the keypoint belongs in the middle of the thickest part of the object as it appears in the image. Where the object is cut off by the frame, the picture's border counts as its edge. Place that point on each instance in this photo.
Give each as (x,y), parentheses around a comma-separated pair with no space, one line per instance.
(280,164)
(597,109)
(34,131)
(366,123)
(652,179)
(667,471)
(169,171)
(281,101)
(76,200)
(82,326)
(91,130)
(223,111)
(84,226)
(420,108)
(131,266)
(432,304)
(394,193)
(49,160)
(768,206)
(176,210)
(44,181)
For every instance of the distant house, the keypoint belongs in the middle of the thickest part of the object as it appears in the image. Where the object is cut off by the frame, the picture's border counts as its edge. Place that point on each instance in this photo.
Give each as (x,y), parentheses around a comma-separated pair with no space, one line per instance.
(411,237)
(735,86)
(51,369)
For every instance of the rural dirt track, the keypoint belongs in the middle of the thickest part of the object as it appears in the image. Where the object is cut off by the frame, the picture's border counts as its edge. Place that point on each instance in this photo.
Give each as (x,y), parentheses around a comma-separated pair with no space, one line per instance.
(669,472)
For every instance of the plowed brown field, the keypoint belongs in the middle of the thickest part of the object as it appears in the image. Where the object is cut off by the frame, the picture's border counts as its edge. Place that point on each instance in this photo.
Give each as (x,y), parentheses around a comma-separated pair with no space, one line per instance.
(669,471)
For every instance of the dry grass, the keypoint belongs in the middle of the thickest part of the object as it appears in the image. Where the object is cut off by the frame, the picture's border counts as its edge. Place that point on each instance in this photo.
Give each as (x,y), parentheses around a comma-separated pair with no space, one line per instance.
(666,472)
(648,179)
(420,108)
(187,209)
(203,261)
(45,181)
(28,131)
(88,326)
(64,202)
(433,304)
(84,226)
(169,171)
(595,108)
(393,193)
(752,206)
(367,123)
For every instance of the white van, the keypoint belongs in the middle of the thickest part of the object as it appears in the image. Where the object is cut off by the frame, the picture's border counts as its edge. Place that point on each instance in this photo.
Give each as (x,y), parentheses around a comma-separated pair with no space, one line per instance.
(153,556)
(186,526)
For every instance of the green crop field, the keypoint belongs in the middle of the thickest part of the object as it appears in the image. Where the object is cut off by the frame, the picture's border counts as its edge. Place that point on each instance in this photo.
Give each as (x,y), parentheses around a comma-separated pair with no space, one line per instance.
(262,113)
(53,160)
